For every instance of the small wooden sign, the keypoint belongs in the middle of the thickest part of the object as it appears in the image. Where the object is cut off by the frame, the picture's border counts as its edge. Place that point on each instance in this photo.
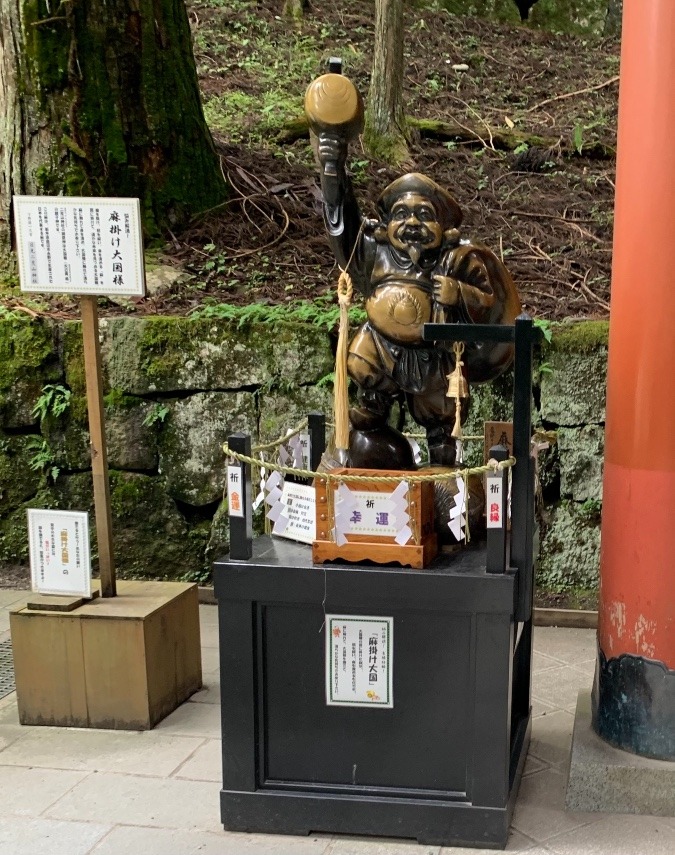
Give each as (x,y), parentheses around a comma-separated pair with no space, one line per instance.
(497,433)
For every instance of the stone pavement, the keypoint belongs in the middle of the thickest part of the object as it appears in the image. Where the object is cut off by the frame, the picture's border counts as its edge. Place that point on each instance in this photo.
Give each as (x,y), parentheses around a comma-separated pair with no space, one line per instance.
(74,792)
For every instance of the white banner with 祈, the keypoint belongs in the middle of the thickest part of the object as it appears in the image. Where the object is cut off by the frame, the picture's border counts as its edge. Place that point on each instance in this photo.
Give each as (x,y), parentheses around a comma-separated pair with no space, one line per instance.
(72,245)
(60,560)
(359,661)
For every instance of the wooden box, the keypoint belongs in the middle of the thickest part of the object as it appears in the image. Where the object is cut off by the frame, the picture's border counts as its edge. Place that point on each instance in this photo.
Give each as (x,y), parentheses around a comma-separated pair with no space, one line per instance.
(123,662)
(418,551)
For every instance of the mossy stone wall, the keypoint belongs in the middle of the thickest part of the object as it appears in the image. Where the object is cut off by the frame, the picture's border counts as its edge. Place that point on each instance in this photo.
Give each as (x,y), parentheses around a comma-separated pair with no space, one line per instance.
(176,388)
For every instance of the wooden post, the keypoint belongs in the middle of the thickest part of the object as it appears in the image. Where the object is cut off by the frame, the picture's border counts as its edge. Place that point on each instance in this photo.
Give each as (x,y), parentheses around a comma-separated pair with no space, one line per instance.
(99,455)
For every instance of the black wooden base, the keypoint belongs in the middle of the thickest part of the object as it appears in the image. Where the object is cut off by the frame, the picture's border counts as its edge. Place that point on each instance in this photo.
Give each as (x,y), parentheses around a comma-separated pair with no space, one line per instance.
(443,766)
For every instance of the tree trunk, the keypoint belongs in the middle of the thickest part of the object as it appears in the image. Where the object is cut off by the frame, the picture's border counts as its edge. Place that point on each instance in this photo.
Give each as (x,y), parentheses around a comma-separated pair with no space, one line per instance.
(294,9)
(100,97)
(384,134)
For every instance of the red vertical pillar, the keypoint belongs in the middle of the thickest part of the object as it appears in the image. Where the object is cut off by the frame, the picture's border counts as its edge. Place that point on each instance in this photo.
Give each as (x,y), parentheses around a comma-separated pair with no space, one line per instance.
(634,691)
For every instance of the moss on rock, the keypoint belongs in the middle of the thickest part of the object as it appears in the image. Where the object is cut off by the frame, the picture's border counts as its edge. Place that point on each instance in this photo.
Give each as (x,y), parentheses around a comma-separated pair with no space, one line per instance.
(569,555)
(280,411)
(573,388)
(18,481)
(152,539)
(582,455)
(29,359)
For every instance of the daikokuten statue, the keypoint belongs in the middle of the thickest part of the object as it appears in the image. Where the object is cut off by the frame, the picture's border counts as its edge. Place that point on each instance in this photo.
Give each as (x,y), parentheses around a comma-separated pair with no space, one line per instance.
(412,266)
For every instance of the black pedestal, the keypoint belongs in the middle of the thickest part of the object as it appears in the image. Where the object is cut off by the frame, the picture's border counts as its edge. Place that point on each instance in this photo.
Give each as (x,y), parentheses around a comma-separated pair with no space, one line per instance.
(442,766)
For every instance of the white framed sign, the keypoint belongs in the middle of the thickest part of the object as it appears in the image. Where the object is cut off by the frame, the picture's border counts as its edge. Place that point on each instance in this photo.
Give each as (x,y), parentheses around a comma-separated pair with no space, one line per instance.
(77,245)
(297,518)
(359,661)
(60,561)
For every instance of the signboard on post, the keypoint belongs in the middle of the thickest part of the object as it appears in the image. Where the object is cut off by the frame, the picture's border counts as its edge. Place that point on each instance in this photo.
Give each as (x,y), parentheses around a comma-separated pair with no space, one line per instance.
(90,247)
(60,560)
(68,245)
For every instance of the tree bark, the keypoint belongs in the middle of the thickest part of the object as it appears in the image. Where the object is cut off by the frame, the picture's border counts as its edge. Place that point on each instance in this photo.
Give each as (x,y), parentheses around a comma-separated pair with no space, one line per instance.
(100,97)
(384,134)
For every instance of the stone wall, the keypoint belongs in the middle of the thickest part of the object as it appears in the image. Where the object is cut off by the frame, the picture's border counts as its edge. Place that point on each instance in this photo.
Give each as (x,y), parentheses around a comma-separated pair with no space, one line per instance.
(175,388)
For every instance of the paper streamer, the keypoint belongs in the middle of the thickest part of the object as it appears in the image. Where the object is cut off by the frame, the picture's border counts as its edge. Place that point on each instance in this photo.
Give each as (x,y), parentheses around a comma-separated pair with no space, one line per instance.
(457,522)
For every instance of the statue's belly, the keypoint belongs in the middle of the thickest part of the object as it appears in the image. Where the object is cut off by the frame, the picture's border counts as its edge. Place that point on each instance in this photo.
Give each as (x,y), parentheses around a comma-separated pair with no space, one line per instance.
(399,311)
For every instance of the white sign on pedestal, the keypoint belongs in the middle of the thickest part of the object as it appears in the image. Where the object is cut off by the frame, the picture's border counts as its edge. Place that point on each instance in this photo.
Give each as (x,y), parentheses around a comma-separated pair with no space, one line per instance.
(69,245)
(60,561)
(297,517)
(359,661)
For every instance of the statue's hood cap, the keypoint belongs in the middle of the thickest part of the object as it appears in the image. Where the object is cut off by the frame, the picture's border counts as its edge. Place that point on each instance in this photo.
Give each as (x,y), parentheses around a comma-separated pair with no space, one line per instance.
(449,212)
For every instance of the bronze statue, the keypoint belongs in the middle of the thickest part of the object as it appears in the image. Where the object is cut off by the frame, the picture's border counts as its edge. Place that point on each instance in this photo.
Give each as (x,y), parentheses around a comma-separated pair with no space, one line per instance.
(412,266)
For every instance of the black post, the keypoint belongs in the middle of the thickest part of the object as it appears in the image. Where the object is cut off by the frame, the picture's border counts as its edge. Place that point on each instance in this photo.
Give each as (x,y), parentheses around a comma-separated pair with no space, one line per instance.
(522,479)
(241,527)
(496,536)
(316,424)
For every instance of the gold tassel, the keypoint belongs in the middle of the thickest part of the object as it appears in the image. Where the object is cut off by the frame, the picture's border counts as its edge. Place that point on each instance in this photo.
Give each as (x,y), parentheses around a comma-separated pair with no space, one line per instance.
(340,394)
(458,388)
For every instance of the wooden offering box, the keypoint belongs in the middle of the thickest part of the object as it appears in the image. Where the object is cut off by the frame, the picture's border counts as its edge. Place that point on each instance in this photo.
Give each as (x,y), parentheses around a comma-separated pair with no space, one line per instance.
(371,507)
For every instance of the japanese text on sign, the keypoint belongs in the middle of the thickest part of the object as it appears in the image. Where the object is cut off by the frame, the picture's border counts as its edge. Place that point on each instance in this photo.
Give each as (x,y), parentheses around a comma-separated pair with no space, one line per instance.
(59,552)
(493,492)
(297,519)
(235,490)
(79,245)
(359,661)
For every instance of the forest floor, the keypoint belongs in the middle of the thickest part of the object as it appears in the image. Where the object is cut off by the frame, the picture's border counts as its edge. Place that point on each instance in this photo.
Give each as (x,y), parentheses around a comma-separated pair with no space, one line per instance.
(525,143)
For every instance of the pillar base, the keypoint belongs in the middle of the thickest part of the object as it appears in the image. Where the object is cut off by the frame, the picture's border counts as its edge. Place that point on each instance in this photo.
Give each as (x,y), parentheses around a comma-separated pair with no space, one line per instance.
(604,778)
(634,705)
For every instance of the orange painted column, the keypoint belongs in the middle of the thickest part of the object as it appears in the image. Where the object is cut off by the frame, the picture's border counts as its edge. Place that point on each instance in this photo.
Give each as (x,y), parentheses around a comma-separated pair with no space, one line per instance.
(634,691)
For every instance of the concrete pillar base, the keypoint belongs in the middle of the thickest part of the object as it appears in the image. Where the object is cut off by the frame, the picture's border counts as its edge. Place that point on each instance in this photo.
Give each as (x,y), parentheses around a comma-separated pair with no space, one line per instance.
(603,778)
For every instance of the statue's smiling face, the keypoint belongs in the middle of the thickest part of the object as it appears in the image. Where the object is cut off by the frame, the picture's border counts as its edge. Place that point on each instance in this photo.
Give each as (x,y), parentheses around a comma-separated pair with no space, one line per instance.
(413,225)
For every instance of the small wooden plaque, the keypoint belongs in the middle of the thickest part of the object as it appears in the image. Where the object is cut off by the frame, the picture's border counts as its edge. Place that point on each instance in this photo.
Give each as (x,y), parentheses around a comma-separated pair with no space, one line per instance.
(417,552)
(58,602)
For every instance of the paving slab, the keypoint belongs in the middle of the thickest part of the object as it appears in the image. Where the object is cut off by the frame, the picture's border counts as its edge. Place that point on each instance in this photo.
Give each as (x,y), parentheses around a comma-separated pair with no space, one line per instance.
(517,842)
(209,693)
(559,686)
(193,719)
(206,764)
(29,792)
(618,835)
(552,736)
(159,841)
(142,753)
(539,810)
(567,645)
(38,836)
(132,800)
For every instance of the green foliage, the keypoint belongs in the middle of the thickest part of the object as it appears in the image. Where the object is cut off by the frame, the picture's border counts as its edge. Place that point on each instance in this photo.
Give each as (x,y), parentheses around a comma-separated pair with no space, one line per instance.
(578,138)
(546,328)
(156,416)
(54,401)
(322,313)
(43,458)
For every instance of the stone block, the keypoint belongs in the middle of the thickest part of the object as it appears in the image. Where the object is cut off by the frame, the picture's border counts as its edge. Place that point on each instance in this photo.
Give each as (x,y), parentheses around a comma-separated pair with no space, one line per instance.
(604,778)
(581,453)
(167,354)
(281,410)
(569,555)
(573,387)
(191,442)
